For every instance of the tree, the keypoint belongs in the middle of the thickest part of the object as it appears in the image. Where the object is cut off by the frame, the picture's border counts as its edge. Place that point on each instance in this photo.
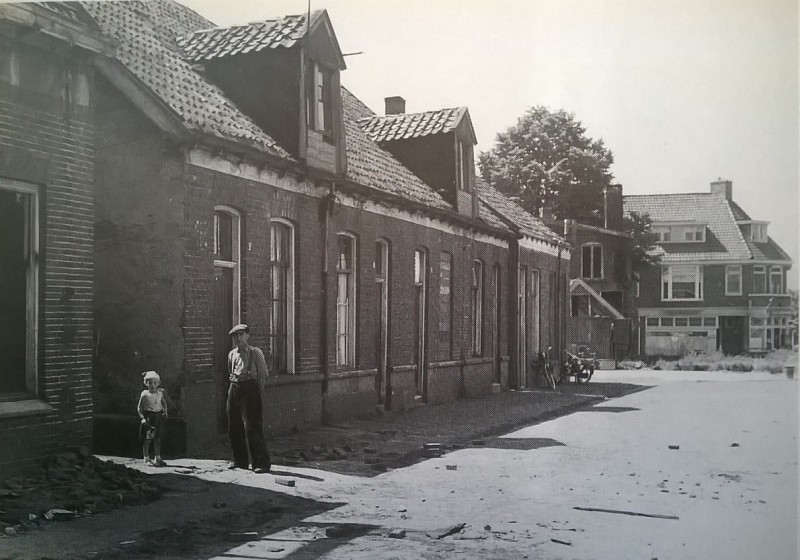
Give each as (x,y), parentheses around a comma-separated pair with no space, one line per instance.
(645,251)
(547,156)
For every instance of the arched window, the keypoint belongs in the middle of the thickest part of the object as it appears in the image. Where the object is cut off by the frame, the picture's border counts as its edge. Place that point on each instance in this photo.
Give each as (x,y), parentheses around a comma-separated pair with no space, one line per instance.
(445,305)
(281,328)
(592,261)
(346,299)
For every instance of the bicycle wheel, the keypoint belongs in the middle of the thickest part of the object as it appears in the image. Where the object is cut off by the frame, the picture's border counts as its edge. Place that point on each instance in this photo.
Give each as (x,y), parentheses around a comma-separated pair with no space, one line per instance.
(548,375)
(563,374)
(585,374)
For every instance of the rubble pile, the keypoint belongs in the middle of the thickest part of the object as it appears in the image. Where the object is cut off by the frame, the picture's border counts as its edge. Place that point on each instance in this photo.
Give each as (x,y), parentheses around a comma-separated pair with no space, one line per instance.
(70,484)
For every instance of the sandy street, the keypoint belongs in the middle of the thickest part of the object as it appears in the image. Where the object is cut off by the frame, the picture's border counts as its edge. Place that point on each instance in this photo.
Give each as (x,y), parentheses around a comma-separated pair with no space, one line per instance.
(701,466)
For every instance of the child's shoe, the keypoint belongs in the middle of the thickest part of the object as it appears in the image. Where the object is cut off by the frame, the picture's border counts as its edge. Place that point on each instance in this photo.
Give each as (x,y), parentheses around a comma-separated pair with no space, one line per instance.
(159,462)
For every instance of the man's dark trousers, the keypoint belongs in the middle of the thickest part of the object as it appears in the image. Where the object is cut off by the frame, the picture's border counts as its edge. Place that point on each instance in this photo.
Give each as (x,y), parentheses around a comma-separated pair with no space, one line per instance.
(244,425)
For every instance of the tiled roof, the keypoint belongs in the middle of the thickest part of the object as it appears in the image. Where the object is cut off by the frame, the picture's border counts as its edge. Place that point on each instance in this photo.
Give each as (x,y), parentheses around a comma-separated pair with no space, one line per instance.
(372,166)
(769,251)
(738,213)
(724,240)
(209,44)
(527,223)
(411,125)
(147,48)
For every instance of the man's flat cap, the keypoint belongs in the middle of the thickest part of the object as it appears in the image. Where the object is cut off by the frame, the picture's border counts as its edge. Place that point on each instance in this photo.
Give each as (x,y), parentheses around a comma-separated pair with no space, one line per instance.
(238,329)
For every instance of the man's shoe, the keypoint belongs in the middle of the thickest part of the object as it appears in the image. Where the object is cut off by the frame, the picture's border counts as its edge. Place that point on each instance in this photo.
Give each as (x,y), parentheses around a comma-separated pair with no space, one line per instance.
(259,470)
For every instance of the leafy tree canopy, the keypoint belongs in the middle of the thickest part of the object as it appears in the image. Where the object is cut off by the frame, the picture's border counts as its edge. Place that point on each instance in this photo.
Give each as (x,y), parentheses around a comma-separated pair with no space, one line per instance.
(547,156)
(645,251)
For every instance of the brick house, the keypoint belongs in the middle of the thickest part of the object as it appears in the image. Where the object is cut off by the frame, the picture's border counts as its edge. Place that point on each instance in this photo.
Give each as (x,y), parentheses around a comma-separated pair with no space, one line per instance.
(721,284)
(602,307)
(46,217)
(238,181)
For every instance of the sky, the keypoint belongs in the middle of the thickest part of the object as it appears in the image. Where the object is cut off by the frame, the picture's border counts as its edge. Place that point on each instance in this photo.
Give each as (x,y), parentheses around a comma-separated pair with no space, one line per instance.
(682,92)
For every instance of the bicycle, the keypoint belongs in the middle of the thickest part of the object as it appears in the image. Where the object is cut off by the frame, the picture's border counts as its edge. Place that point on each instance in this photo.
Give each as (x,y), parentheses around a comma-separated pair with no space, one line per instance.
(578,366)
(544,358)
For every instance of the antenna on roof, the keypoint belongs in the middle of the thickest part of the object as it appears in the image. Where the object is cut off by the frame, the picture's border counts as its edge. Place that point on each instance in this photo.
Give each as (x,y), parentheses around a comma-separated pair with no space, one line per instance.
(353,53)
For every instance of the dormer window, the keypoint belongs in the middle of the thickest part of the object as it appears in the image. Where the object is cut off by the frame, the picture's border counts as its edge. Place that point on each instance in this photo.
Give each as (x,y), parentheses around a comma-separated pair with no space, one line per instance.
(680,233)
(755,231)
(319,98)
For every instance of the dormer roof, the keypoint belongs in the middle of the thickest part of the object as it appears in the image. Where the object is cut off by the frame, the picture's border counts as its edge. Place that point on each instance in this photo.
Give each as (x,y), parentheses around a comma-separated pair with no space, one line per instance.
(278,33)
(415,125)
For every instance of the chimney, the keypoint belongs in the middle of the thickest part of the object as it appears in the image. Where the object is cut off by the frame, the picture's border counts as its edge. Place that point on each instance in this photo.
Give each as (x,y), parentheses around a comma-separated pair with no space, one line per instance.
(722,188)
(395,105)
(612,207)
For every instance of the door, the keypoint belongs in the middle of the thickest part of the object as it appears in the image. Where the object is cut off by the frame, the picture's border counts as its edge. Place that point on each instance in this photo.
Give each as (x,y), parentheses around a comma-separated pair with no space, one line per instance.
(732,335)
(497,326)
(224,301)
(522,343)
(382,284)
(14,296)
(421,320)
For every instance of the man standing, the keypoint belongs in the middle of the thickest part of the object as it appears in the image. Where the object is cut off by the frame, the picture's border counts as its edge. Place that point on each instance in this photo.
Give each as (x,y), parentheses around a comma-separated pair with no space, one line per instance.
(247,373)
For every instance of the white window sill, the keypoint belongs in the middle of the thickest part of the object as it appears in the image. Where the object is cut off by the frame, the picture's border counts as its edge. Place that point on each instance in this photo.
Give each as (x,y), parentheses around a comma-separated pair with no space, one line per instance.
(27,407)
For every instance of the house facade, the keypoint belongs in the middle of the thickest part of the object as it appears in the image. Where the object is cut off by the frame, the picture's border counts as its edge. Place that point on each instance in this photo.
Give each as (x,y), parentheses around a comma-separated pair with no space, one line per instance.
(721,282)
(46,217)
(602,310)
(238,181)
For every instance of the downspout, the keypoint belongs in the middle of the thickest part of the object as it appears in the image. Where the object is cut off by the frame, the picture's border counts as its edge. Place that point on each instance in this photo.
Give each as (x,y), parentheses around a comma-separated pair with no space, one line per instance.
(559,350)
(326,208)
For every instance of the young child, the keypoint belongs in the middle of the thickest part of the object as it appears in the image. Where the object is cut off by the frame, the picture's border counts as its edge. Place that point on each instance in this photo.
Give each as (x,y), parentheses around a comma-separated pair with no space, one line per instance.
(152,409)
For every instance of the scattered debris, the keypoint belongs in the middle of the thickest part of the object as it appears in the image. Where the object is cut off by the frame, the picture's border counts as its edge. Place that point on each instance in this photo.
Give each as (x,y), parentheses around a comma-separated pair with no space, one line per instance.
(561,542)
(126,543)
(285,481)
(452,467)
(674,446)
(11,531)
(397,534)
(56,514)
(452,530)
(219,505)
(623,512)
(487,528)
(734,445)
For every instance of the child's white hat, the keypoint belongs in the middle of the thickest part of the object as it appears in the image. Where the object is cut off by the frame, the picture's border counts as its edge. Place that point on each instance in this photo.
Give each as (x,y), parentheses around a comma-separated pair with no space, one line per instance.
(151,375)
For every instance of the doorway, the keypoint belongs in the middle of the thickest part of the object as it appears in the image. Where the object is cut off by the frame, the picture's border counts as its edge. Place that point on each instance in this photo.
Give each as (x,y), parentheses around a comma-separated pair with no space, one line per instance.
(522,342)
(18,287)
(382,282)
(732,331)
(224,301)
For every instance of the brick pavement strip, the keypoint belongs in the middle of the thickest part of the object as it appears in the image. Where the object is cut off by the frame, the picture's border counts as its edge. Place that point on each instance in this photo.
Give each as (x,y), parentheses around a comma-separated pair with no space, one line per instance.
(369,446)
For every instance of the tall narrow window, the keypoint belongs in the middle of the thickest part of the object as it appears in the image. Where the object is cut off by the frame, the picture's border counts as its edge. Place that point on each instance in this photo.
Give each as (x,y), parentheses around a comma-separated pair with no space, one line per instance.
(345,300)
(463,165)
(477,308)
(592,261)
(776,280)
(319,97)
(282,310)
(445,305)
(227,257)
(733,280)
(759,279)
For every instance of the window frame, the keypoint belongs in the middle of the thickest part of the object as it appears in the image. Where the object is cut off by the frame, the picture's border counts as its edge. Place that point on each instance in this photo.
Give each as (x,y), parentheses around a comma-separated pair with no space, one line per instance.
(319,97)
(735,269)
(235,263)
(33,288)
(346,341)
(668,284)
(776,270)
(595,261)
(678,232)
(289,295)
(760,270)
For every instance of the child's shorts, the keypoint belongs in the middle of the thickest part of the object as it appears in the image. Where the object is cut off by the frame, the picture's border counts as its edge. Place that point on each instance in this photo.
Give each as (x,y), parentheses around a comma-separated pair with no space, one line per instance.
(154,427)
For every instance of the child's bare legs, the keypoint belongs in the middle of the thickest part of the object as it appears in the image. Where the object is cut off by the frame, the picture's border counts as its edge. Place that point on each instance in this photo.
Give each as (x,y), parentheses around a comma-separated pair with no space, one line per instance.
(146,450)
(157,446)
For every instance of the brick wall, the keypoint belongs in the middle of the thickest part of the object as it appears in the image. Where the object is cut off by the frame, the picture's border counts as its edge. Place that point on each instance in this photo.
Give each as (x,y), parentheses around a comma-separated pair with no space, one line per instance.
(47,142)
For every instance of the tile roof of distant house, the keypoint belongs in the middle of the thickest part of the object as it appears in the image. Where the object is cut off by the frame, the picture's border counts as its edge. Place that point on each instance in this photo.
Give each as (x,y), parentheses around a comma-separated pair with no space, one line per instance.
(724,240)
(372,166)
(411,125)
(527,223)
(146,33)
(282,32)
